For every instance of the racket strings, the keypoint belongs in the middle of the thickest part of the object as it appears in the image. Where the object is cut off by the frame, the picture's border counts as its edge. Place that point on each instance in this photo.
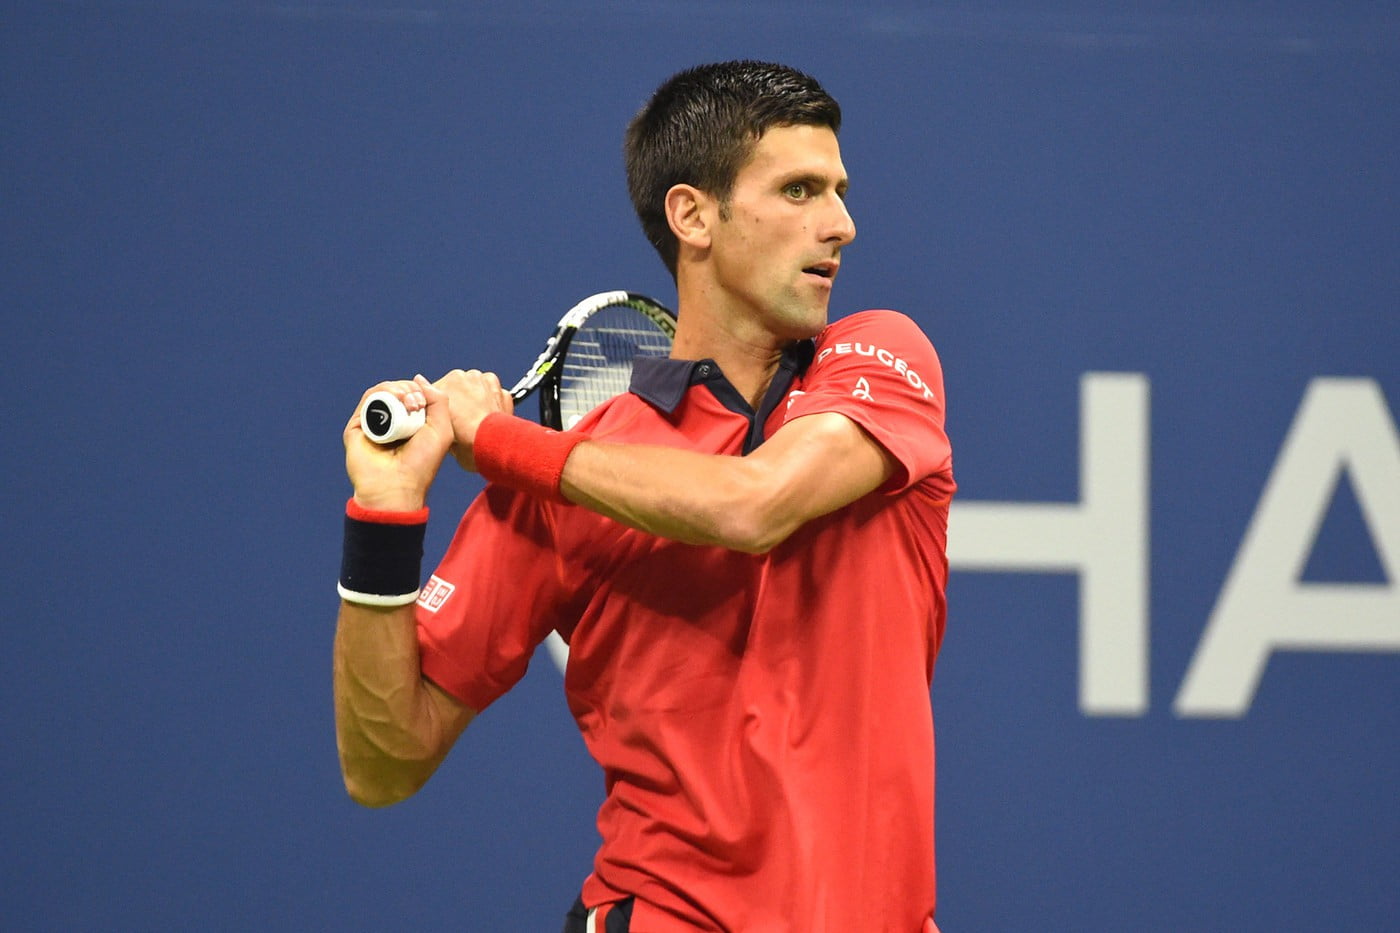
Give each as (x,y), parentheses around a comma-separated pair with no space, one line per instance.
(598,364)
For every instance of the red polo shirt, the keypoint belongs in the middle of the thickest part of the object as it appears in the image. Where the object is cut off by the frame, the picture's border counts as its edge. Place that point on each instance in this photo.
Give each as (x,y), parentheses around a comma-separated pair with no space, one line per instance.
(763,722)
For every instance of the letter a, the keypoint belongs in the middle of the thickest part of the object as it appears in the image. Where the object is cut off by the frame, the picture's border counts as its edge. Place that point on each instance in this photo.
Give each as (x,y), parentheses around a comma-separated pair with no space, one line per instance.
(1342,424)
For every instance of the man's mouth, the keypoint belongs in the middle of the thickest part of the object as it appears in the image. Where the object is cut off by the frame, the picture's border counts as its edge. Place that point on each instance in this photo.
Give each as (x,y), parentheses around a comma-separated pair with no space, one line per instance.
(826,270)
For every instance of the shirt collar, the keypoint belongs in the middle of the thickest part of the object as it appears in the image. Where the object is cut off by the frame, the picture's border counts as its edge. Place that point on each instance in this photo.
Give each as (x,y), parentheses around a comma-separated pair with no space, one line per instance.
(662,382)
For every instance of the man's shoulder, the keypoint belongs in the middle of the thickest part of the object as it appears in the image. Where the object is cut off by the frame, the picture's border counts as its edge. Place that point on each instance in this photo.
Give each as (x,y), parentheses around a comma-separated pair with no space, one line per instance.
(871,321)
(881,333)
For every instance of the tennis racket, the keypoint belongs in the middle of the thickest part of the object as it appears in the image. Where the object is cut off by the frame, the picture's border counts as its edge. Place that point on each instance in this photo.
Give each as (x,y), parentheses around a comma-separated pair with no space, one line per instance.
(585,362)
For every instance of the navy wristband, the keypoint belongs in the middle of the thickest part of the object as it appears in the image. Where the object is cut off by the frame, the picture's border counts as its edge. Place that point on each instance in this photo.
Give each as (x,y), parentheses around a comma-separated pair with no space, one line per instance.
(381,562)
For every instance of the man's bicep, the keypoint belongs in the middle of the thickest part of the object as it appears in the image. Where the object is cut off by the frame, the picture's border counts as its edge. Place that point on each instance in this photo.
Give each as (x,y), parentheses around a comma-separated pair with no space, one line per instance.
(816,464)
(880,370)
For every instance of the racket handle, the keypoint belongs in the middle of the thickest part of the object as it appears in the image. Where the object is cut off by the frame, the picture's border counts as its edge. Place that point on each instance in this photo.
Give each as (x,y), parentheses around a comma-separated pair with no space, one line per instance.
(385,420)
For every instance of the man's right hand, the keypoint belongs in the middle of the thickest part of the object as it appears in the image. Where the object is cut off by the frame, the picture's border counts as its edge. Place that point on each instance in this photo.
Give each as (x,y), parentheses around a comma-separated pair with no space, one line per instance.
(397,477)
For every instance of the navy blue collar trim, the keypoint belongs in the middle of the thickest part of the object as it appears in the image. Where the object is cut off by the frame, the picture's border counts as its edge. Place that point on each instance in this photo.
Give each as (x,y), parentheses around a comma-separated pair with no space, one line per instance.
(663,382)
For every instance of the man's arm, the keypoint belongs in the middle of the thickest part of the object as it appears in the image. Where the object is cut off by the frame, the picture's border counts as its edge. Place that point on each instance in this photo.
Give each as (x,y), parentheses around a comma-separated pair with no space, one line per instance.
(811,466)
(393,726)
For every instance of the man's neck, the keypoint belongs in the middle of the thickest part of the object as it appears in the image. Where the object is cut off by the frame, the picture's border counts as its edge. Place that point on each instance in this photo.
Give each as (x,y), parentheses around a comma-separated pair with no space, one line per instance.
(748,357)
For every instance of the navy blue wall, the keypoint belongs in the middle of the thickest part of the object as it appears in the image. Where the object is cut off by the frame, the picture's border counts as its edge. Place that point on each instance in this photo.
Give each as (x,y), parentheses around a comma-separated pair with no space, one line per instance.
(1159,247)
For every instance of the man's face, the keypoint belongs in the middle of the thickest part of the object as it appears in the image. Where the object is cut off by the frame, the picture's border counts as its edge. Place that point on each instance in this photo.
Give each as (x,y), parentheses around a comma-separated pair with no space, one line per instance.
(777,247)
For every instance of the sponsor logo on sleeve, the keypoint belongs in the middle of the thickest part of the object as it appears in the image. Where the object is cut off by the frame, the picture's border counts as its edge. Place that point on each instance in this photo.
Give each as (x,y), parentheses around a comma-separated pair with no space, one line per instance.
(435,593)
(885,357)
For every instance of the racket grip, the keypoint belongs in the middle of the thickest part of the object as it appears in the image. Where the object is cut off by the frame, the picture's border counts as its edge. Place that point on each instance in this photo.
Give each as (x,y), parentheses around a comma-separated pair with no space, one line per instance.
(385,420)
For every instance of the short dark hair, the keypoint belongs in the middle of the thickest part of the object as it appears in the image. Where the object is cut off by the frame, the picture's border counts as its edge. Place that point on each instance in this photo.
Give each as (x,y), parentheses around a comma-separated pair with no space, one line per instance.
(700,127)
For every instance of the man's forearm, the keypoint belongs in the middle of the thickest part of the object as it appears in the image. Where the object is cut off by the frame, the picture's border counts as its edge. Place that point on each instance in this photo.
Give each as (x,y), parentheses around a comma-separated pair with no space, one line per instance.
(810,467)
(393,728)
(672,493)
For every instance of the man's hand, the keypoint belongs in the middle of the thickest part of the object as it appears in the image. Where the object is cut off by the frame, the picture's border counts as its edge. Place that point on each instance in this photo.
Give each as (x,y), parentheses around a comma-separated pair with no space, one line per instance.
(471,396)
(397,477)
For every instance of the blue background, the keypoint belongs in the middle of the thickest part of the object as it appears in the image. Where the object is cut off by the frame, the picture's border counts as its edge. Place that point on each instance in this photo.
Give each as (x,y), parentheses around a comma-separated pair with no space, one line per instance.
(222,220)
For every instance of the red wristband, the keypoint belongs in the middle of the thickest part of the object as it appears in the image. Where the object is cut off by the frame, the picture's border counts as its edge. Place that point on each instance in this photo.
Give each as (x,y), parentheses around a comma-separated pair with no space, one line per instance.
(385,516)
(523,455)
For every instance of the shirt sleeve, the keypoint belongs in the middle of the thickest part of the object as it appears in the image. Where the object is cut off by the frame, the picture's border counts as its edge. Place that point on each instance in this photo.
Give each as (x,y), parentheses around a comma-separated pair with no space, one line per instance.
(878,369)
(492,600)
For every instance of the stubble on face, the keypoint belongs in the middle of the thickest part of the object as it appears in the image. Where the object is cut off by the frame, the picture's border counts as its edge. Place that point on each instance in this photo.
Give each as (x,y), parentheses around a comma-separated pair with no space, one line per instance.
(781,231)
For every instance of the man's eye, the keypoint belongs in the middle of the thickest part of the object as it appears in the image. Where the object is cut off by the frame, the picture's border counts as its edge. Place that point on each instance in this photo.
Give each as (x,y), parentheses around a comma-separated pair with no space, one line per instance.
(796,191)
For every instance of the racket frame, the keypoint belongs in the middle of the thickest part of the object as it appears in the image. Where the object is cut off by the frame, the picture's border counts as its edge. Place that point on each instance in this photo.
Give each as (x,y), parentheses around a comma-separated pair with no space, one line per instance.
(544,373)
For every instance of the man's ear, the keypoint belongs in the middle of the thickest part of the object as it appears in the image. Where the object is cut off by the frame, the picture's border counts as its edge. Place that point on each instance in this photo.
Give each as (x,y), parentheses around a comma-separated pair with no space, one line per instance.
(690,213)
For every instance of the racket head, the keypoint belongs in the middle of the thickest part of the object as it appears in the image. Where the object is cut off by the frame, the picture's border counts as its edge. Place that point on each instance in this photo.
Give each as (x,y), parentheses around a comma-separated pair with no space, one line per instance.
(589,359)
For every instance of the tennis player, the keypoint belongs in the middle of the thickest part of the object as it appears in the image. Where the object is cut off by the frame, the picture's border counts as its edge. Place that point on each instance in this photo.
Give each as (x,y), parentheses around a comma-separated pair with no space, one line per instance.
(745,553)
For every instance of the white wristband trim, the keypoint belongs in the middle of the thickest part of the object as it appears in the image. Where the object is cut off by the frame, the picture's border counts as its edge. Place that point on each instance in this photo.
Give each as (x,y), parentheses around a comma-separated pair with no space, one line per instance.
(372,599)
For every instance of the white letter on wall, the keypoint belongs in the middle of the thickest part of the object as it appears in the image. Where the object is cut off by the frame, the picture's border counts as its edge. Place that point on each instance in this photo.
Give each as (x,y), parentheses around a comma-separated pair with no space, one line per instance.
(1103,538)
(1342,424)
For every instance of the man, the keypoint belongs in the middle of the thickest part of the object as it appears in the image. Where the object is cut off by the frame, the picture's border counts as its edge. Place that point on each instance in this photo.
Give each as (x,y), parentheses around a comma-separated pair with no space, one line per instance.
(746,554)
